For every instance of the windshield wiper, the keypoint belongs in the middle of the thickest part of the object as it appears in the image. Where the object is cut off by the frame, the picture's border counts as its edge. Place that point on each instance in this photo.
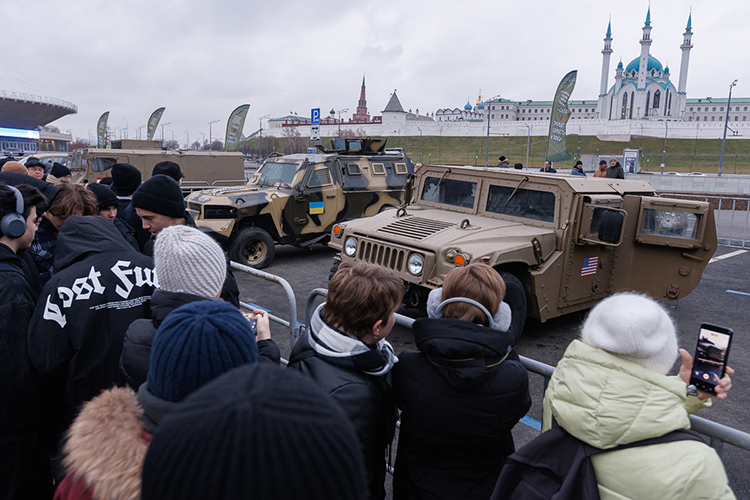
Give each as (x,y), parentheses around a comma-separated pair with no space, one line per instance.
(514,191)
(448,171)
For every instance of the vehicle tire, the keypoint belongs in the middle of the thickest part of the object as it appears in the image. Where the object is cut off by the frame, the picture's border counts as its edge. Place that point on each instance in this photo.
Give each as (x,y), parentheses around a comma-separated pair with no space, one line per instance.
(515,297)
(252,247)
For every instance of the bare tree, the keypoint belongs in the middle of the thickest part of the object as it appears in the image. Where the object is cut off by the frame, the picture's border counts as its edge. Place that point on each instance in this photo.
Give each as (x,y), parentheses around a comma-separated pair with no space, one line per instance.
(78,144)
(353,134)
(171,144)
(217,145)
(292,136)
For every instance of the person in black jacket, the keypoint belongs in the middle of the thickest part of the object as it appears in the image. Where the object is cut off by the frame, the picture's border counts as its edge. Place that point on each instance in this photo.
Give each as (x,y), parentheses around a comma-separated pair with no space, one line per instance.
(191,268)
(24,453)
(346,353)
(460,394)
(75,338)
(107,204)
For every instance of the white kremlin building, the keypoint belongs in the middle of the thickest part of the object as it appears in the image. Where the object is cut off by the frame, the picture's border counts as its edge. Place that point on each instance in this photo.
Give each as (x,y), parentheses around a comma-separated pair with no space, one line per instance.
(642,101)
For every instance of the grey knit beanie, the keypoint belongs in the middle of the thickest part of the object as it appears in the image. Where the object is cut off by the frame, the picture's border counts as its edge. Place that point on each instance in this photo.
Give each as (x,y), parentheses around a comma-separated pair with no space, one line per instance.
(635,328)
(189,261)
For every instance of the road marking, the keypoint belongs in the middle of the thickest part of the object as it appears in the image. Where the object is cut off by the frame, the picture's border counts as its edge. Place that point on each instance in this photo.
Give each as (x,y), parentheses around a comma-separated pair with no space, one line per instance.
(738,293)
(727,255)
(531,422)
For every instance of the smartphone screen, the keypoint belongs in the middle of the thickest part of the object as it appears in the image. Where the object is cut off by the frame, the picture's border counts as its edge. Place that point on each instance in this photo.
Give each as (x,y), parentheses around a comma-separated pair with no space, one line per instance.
(711,355)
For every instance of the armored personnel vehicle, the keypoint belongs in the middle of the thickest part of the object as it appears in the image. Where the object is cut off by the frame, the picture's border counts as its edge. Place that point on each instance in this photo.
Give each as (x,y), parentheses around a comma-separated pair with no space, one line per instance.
(296,199)
(202,169)
(562,243)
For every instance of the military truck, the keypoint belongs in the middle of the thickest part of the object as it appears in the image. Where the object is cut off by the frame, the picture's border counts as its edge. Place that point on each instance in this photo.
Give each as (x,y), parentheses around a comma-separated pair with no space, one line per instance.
(296,199)
(202,169)
(562,243)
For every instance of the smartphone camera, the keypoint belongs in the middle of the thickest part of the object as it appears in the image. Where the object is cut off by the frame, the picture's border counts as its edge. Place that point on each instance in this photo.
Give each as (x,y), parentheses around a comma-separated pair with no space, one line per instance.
(711,354)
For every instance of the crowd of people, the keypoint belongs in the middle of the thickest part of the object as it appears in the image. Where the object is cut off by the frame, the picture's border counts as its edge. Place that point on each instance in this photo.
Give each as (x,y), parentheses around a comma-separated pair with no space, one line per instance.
(612,171)
(129,371)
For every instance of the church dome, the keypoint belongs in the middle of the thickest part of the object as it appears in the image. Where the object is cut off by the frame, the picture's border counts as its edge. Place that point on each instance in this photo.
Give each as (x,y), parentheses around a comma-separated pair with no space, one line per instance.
(635,64)
(480,106)
(468,106)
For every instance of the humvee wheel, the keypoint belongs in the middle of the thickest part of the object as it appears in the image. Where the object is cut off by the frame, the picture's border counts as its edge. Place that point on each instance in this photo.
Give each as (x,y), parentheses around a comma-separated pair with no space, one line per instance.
(253,247)
(515,297)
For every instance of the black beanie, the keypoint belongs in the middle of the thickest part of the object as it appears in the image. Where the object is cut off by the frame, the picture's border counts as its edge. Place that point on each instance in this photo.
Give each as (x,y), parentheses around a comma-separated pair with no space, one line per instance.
(169,168)
(125,178)
(107,181)
(260,432)
(59,170)
(162,195)
(105,197)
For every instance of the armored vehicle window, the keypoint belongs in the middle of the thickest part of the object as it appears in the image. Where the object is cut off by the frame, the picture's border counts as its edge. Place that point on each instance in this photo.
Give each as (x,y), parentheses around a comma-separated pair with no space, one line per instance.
(526,203)
(401,168)
(378,169)
(102,164)
(276,172)
(450,192)
(671,223)
(320,177)
(353,169)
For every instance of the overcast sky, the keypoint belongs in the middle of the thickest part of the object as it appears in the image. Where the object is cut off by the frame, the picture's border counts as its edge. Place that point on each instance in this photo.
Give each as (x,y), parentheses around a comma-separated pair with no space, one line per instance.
(202,59)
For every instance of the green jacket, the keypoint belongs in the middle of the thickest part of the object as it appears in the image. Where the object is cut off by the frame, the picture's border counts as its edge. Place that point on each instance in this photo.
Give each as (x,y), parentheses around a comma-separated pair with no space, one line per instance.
(607,401)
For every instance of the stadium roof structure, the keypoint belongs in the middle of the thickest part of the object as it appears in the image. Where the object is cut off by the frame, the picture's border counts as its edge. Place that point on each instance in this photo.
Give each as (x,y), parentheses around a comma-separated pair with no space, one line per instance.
(24,105)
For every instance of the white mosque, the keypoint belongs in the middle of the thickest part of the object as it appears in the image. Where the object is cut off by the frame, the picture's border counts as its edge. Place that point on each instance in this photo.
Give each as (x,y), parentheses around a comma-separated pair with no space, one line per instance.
(642,101)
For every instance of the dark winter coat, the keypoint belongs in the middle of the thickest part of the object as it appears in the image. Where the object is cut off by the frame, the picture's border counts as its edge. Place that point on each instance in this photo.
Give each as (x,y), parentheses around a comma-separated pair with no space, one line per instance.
(615,172)
(127,232)
(130,216)
(366,399)
(136,348)
(75,337)
(459,396)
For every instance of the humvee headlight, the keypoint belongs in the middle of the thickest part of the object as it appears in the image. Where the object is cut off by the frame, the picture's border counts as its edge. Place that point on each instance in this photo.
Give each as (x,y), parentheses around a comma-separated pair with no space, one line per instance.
(338,231)
(350,247)
(416,264)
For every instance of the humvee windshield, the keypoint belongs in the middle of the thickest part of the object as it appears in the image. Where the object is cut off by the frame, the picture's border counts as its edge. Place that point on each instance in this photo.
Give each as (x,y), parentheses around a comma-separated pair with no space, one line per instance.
(276,172)
(526,203)
(449,192)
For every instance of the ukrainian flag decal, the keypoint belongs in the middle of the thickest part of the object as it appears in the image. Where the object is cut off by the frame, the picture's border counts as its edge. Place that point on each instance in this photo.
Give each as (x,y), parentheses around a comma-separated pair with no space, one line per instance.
(316,207)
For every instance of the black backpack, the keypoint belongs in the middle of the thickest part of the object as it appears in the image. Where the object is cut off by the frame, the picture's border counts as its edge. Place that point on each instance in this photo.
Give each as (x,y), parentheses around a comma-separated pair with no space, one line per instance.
(556,465)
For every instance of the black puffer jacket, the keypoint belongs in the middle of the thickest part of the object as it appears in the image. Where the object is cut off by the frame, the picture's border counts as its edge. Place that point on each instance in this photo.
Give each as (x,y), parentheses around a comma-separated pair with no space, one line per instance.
(136,348)
(459,396)
(75,338)
(366,399)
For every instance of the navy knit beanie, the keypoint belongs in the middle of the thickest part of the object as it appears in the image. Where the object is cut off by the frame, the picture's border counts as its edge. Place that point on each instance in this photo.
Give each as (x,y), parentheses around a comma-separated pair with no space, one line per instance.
(259,432)
(161,195)
(195,344)
(105,197)
(125,178)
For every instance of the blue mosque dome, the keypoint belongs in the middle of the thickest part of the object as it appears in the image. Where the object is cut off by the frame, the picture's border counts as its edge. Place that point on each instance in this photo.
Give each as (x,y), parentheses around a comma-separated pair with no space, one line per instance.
(468,106)
(635,64)
(481,105)
(666,70)
(619,65)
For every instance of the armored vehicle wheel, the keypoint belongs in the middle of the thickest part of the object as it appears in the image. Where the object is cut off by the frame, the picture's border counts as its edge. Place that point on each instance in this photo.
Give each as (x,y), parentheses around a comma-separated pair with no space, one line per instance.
(515,297)
(253,247)
(334,268)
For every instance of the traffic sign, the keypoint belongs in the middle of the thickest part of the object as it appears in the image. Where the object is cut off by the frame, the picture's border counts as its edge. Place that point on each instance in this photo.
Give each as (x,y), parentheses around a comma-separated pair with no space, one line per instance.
(315,132)
(315,115)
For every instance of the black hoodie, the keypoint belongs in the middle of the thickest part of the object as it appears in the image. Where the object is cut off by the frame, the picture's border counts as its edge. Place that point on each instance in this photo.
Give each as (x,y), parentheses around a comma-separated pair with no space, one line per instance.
(459,396)
(75,338)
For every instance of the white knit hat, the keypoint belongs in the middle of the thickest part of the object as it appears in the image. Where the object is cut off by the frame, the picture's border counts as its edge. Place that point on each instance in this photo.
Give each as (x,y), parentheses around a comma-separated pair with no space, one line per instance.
(189,261)
(635,328)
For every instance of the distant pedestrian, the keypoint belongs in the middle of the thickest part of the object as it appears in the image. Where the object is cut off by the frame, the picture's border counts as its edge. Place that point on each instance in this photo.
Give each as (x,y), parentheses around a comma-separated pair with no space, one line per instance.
(107,204)
(107,442)
(602,170)
(504,162)
(548,168)
(578,169)
(101,286)
(256,432)
(125,180)
(346,353)
(615,170)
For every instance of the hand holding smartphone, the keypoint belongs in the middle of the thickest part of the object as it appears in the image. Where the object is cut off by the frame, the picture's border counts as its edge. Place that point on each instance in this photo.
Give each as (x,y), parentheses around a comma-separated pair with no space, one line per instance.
(711,355)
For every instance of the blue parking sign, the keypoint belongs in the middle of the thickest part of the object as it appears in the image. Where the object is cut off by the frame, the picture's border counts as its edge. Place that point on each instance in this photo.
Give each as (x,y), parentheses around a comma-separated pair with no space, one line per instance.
(315,115)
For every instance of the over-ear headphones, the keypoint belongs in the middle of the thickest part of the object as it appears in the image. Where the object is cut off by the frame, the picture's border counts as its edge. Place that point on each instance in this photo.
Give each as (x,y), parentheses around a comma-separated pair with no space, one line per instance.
(13,225)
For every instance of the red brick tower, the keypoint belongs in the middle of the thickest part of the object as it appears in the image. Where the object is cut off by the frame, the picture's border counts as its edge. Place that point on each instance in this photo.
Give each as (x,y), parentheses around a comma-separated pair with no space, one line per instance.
(361,116)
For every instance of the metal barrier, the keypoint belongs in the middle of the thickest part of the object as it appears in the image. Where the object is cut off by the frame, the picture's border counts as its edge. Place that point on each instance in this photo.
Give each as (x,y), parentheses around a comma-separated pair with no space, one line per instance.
(292,324)
(718,433)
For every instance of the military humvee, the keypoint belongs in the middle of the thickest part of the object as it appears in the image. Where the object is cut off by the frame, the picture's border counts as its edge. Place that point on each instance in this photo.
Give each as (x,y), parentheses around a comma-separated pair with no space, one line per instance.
(202,169)
(562,243)
(296,199)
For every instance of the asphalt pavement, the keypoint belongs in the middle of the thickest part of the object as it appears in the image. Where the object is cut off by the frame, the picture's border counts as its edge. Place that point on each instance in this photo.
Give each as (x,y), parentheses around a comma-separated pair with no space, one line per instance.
(722,297)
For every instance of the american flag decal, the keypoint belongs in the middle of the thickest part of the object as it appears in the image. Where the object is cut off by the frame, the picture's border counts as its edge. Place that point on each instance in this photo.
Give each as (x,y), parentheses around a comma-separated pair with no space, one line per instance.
(589,266)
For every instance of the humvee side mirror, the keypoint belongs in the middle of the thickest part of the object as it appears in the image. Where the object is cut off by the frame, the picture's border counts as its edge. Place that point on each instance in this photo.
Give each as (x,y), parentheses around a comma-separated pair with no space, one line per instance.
(610,226)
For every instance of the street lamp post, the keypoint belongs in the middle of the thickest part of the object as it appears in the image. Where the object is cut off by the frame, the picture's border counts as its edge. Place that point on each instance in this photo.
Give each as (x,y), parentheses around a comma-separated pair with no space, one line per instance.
(528,143)
(726,124)
(162,129)
(187,139)
(210,132)
(420,144)
(333,114)
(126,127)
(260,132)
(138,131)
(487,110)
(664,150)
